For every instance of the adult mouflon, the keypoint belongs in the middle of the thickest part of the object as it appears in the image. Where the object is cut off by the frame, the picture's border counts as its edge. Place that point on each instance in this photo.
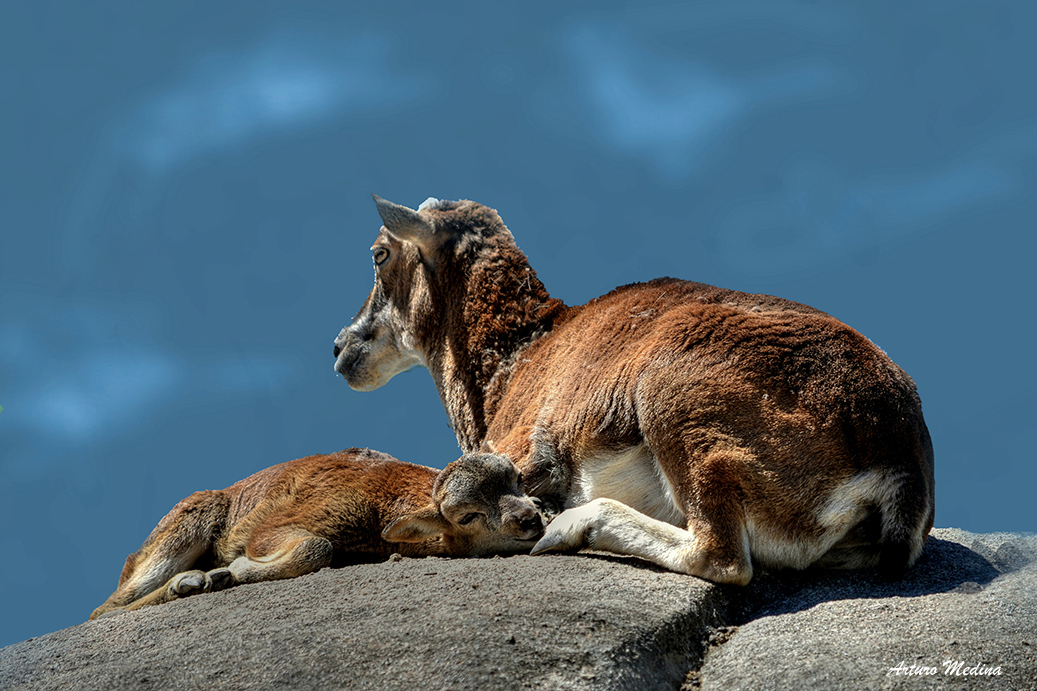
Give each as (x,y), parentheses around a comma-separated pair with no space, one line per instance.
(696,427)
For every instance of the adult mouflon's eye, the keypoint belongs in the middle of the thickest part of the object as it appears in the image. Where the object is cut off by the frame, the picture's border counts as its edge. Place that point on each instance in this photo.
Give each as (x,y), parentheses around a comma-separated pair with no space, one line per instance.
(381,254)
(468,518)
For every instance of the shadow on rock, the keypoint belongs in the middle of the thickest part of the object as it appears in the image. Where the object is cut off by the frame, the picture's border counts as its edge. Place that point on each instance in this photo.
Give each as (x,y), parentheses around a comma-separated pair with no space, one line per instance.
(943,567)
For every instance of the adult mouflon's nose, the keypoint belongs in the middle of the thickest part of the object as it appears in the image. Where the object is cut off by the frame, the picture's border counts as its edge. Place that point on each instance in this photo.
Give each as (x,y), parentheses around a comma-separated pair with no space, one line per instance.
(340,341)
(358,332)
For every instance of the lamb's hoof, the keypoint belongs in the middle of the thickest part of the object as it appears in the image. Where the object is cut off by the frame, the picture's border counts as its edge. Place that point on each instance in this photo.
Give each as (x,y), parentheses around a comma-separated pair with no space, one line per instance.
(188,583)
(220,579)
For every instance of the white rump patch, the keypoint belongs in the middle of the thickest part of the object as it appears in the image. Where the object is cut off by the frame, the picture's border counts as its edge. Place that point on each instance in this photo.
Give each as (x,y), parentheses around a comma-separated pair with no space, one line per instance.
(632,477)
(846,506)
(849,503)
(431,201)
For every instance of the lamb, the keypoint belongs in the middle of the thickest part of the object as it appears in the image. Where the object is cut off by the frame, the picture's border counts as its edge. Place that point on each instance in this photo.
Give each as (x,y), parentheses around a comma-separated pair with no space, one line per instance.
(699,428)
(353,506)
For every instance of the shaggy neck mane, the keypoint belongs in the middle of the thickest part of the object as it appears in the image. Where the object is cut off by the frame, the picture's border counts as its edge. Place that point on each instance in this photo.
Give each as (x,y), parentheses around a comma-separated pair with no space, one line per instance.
(494,307)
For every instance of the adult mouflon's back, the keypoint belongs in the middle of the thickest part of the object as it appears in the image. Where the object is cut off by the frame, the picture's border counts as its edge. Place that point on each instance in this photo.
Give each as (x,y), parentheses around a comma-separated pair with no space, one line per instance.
(692,426)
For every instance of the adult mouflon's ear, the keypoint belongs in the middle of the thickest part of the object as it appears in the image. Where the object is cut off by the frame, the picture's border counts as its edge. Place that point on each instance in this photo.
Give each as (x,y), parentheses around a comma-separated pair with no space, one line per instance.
(406,225)
(424,524)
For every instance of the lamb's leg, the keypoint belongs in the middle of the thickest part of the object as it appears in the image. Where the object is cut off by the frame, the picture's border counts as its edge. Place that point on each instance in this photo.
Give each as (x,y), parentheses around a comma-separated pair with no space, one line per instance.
(281,554)
(302,554)
(185,584)
(176,543)
(149,581)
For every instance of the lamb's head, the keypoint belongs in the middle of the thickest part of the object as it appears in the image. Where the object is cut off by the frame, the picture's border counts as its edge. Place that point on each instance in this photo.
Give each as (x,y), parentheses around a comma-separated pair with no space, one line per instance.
(426,262)
(478,507)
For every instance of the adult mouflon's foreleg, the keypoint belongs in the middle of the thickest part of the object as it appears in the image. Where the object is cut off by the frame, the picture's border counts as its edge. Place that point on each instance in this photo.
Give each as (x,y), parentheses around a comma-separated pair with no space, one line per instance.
(610,526)
(712,544)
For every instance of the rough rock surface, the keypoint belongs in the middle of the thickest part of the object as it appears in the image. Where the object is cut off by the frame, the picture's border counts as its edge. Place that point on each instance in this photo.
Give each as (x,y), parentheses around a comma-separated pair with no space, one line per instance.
(972,599)
(568,622)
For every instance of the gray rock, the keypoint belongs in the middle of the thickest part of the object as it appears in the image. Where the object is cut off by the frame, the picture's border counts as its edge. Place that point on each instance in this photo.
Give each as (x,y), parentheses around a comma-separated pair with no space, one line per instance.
(971,599)
(563,622)
(567,622)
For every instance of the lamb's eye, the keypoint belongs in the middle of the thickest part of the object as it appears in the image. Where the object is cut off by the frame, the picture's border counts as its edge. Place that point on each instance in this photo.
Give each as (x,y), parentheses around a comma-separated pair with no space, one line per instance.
(468,518)
(521,480)
(381,254)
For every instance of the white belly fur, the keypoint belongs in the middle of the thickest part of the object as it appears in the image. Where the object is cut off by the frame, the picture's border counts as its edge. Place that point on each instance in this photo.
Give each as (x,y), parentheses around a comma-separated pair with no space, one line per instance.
(632,477)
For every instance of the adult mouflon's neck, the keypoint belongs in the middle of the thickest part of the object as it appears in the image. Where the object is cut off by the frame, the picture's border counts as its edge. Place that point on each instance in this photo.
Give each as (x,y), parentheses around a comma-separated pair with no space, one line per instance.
(502,308)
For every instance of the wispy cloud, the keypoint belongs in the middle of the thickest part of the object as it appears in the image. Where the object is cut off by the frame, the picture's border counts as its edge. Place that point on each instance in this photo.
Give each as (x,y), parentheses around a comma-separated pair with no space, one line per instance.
(73,382)
(94,395)
(674,112)
(227,100)
(283,83)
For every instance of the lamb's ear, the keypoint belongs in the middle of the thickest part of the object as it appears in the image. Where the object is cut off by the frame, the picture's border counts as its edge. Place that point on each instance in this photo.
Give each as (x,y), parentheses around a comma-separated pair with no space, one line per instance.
(406,224)
(424,524)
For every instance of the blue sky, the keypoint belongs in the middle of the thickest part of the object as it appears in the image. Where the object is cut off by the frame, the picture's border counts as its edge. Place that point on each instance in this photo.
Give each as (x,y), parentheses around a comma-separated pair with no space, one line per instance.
(185,215)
